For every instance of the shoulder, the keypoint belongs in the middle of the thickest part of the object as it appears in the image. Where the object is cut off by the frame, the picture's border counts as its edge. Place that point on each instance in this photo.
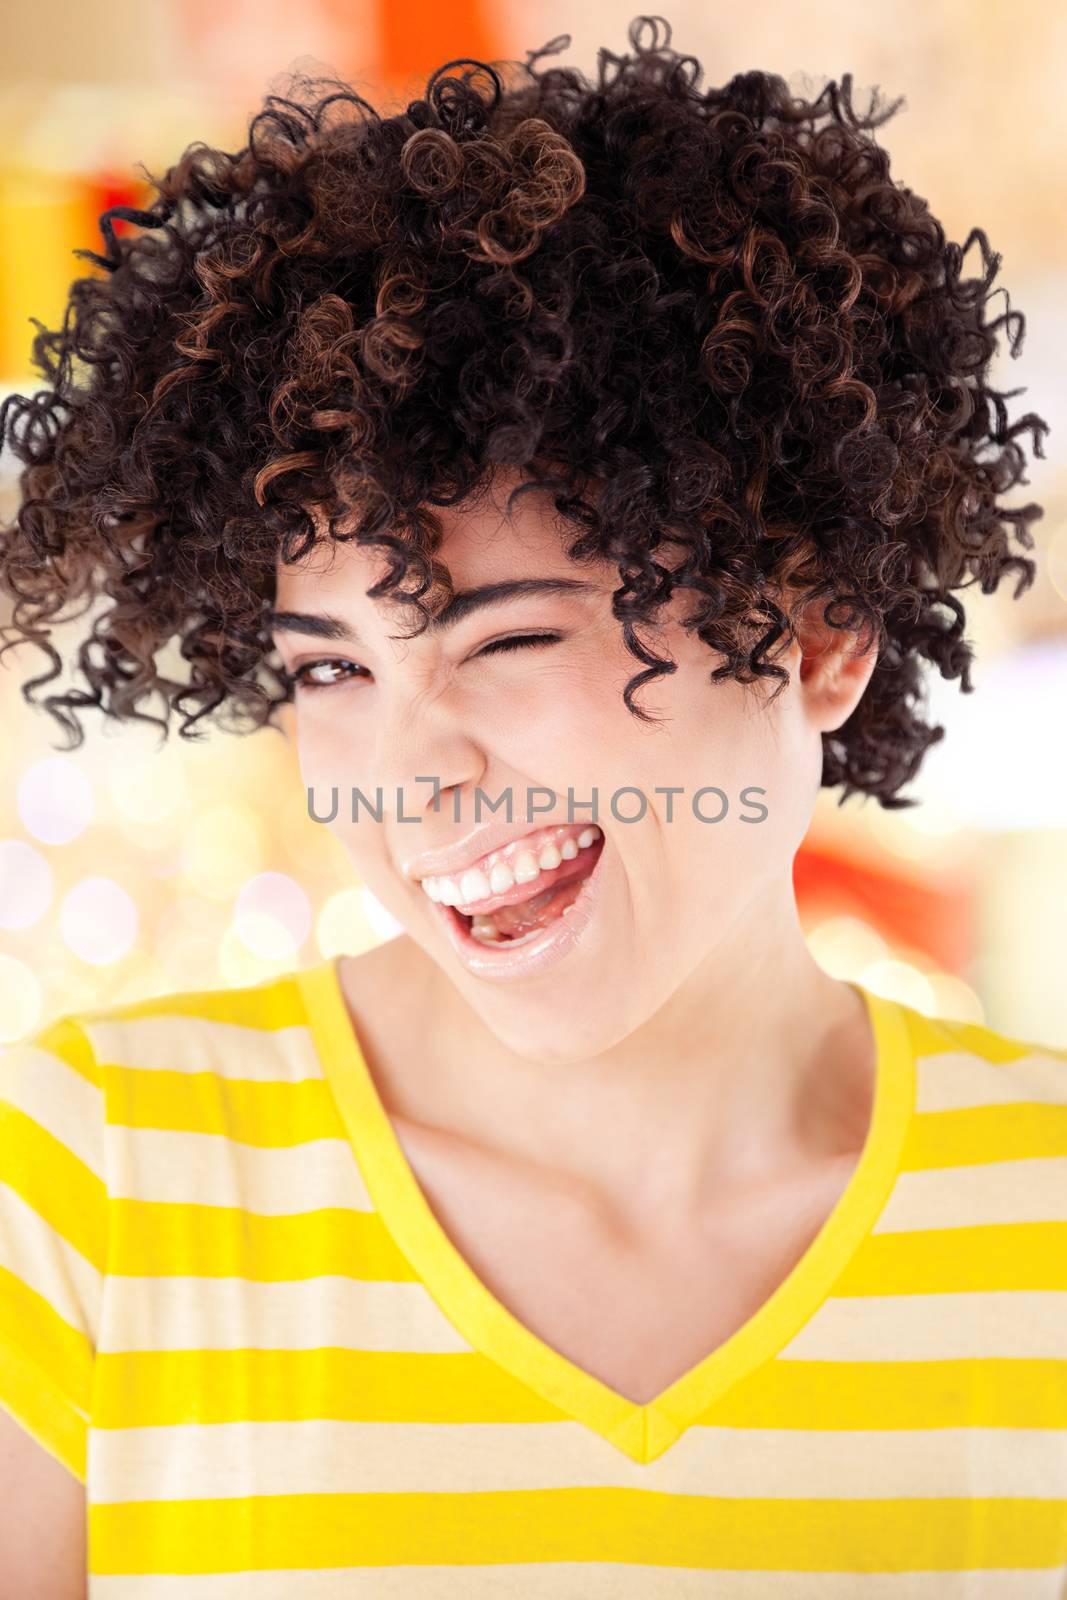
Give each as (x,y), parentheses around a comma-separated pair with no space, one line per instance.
(235,1031)
(968,1063)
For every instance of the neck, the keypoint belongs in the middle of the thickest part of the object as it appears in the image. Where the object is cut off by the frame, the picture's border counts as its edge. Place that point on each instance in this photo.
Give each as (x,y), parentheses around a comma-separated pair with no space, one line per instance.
(757,1060)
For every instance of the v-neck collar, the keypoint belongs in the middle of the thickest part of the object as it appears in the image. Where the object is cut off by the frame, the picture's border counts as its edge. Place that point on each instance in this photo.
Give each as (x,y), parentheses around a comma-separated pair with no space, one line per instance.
(640,1431)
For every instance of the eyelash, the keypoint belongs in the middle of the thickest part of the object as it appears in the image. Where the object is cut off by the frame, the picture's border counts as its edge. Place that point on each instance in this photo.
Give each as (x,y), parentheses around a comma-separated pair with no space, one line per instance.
(514,641)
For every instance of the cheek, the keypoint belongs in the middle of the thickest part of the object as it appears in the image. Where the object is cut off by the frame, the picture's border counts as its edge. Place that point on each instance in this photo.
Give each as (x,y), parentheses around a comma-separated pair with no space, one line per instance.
(320,754)
(328,771)
(548,725)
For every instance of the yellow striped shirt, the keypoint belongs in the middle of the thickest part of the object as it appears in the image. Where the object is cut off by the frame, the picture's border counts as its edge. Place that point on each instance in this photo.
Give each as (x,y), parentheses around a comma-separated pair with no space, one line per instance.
(227,1306)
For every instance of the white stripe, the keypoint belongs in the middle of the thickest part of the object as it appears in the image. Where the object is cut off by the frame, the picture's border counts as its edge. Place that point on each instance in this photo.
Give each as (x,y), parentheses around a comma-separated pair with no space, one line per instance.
(180,1168)
(583,1580)
(64,1103)
(42,1258)
(179,1043)
(1032,1189)
(225,1459)
(959,1079)
(190,1313)
(997,1323)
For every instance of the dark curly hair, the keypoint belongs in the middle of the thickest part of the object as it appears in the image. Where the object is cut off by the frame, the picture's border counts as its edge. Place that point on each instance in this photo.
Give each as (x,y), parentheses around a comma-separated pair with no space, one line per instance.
(715,309)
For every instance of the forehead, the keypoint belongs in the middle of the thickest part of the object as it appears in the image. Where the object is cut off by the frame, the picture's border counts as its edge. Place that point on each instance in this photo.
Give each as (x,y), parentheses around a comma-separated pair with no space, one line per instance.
(481,542)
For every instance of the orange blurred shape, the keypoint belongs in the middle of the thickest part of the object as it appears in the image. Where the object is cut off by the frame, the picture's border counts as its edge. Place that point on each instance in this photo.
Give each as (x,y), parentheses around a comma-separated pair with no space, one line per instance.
(937,919)
(417,36)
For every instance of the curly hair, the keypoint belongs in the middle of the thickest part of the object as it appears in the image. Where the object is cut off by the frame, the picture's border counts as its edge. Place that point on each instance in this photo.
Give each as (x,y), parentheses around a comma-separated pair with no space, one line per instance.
(715,309)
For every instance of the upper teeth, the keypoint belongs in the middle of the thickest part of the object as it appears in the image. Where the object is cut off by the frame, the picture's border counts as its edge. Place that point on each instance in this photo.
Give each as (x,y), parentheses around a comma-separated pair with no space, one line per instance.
(474,884)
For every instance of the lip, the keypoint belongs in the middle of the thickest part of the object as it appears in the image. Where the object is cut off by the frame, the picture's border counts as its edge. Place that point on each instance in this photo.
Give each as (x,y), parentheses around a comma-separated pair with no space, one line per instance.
(541,954)
(466,853)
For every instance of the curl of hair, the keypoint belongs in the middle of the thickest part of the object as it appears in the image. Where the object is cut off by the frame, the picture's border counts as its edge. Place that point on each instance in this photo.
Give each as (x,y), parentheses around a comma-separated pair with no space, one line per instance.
(708,321)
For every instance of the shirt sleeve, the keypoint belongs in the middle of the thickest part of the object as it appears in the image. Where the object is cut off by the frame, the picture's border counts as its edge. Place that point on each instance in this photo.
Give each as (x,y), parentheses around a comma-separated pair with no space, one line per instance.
(53,1234)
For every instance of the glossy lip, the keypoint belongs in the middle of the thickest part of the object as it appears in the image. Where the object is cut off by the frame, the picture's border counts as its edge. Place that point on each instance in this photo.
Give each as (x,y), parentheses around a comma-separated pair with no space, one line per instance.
(542,953)
(468,852)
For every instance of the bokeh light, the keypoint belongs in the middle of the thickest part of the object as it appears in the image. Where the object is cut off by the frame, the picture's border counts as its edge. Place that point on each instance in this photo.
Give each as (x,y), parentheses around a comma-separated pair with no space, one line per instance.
(55,800)
(26,884)
(956,999)
(899,980)
(343,926)
(1057,561)
(385,925)
(21,999)
(240,964)
(222,849)
(844,946)
(273,915)
(98,921)
(148,789)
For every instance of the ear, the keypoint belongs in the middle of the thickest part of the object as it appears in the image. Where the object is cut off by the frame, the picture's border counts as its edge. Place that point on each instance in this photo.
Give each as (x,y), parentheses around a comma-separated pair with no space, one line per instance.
(831,667)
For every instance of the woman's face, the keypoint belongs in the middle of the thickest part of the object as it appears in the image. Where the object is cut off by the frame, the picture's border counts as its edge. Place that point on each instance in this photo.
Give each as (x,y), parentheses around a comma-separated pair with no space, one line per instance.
(697,878)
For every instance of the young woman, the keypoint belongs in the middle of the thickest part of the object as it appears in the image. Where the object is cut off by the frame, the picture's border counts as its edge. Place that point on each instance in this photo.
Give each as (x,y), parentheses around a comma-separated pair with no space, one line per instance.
(552,447)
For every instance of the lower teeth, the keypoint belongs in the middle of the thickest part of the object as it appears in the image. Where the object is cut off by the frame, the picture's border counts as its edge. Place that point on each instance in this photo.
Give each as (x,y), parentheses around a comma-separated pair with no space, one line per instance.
(496,938)
(486,933)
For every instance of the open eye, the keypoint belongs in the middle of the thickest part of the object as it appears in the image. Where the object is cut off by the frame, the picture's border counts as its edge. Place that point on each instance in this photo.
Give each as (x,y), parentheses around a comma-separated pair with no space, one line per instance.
(516,641)
(300,679)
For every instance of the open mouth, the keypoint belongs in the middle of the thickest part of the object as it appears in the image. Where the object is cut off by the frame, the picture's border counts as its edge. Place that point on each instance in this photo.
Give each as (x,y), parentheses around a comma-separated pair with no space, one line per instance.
(523,919)
(530,926)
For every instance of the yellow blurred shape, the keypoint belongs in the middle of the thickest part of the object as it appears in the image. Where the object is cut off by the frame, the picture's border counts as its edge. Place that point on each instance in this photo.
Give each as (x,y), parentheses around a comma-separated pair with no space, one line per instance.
(43,217)
(149,790)
(21,1000)
(932,831)
(955,999)
(845,946)
(899,980)
(240,965)
(187,917)
(1056,558)
(343,927)
(143,978)
(191,962)
(309,844)
(266,936)
(223,847)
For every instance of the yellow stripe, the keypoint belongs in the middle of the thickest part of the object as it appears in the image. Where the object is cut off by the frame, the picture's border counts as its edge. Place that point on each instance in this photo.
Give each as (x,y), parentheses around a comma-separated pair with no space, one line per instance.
(150,1388)
(995,1255)
(274,1003)
(933,1036)
(54,1183)
(156,1388)
(985,1393)
(27,1319)
(984,1133)
(625,1525)
(66,1039)
(29,1394)
(262,1114)
(175,1239)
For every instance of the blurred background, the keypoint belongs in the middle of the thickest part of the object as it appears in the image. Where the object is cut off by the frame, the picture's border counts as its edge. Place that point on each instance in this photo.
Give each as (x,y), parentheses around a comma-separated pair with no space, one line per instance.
(129,869)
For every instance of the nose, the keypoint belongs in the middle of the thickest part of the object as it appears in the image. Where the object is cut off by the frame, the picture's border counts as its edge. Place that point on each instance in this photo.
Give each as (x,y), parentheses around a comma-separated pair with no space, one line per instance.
(422,760)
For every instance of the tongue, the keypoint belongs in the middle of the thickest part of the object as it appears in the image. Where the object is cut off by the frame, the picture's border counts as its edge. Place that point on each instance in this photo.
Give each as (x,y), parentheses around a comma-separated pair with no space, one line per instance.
(512,922)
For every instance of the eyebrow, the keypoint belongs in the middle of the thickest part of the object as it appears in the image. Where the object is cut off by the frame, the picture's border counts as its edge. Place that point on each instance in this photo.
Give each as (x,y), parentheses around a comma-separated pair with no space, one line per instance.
(321,625)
